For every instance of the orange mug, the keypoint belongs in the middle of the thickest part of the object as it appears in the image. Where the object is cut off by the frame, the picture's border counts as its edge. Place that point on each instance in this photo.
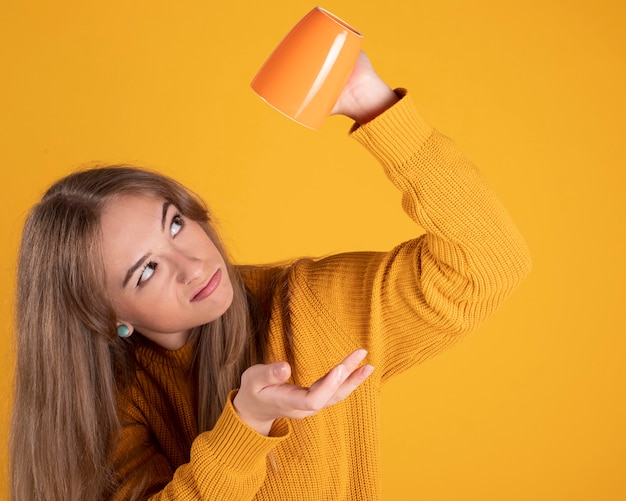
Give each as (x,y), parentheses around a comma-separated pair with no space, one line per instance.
(306,73)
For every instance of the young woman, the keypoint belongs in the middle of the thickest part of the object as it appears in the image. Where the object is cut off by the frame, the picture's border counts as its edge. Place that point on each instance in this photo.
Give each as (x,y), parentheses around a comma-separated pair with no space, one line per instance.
(150,366)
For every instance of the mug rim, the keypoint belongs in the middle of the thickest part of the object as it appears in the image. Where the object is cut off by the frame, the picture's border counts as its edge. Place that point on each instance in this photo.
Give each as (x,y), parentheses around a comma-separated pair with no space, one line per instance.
(338,20)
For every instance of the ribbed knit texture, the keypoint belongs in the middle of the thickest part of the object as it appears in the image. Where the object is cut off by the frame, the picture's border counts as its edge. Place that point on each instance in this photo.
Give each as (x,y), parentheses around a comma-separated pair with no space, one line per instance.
(403,306)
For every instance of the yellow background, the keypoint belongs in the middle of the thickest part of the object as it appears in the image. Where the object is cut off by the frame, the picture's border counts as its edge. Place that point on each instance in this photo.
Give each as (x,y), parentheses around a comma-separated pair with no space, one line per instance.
(530,407)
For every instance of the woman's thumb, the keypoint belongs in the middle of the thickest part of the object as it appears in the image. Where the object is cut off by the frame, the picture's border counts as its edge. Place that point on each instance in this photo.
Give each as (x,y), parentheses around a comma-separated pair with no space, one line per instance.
(279,372)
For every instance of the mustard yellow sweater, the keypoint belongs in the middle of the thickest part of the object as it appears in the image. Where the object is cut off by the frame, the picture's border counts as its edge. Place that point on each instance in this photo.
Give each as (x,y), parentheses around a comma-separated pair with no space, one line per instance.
(403,306)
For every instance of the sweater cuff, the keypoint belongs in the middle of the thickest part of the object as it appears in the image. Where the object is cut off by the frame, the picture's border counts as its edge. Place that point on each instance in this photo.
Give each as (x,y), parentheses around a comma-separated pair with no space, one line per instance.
(234,444)
(396,134)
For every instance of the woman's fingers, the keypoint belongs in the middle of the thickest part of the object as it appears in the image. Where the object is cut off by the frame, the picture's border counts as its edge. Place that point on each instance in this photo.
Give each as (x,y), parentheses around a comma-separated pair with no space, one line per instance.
(342,371)
(351,383)
(352,378)
(336,385)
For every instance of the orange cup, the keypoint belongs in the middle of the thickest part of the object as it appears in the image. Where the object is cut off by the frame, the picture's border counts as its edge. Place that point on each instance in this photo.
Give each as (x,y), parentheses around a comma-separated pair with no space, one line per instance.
(306,73)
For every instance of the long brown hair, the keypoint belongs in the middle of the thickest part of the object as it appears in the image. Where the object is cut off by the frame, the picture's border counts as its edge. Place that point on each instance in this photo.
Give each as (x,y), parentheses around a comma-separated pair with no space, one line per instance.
(64,420)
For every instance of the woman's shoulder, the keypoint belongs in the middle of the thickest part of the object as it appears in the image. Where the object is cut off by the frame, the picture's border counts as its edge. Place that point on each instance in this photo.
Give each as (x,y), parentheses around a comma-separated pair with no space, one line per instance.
(261,280)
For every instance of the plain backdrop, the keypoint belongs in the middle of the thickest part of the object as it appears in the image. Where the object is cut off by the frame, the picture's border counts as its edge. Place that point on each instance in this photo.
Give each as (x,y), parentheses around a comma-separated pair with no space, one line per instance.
(530,407)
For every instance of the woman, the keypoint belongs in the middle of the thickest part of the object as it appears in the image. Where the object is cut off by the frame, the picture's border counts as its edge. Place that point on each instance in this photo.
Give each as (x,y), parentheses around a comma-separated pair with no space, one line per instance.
(150,366)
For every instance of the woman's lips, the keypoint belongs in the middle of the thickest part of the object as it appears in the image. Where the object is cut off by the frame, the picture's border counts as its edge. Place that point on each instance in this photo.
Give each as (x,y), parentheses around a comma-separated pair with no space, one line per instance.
(209,288)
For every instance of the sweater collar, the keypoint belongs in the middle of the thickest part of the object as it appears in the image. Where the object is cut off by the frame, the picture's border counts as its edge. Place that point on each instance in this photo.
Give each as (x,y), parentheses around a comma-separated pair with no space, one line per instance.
(148,352)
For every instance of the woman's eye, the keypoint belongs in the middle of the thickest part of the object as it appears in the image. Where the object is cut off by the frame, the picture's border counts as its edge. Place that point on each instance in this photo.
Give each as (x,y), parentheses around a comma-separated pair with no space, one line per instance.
(177,224)
(147,272)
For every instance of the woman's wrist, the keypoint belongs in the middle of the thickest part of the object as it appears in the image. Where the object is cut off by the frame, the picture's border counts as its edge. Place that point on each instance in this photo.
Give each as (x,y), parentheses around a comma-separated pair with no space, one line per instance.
(260,426)
(378,99)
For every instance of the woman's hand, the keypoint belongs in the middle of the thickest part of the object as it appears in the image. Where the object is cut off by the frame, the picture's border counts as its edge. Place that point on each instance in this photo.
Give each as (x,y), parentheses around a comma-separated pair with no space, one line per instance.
(365,96)
(265,396)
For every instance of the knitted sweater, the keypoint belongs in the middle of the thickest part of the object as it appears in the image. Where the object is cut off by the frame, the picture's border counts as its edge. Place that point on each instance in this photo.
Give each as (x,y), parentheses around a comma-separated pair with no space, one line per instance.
(403,306)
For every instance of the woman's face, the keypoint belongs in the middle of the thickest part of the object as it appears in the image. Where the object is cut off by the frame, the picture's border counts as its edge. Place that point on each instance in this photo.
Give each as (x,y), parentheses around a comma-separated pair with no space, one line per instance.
(164,275)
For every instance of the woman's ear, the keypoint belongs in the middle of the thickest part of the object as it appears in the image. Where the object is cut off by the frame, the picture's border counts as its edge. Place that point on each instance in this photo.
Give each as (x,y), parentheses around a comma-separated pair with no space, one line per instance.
(124,329)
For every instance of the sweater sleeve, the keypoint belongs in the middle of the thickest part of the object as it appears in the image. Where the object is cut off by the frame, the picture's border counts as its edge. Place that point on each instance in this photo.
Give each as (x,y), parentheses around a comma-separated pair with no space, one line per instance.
(412,302)
(227,462)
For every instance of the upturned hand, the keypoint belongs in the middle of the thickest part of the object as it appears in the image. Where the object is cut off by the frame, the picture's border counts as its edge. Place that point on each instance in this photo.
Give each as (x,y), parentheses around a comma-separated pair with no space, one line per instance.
(265,395)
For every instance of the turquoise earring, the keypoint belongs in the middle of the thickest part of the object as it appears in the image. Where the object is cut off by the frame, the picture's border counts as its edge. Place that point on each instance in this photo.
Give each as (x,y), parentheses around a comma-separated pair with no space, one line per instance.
(123,331)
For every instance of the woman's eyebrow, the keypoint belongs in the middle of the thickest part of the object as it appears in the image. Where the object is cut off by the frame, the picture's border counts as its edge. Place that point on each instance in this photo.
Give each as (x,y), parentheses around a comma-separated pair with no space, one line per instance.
(135,266)
(166,206)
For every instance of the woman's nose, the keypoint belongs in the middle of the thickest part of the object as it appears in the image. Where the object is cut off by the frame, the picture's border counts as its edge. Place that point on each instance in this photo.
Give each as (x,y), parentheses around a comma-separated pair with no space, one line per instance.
(189,269)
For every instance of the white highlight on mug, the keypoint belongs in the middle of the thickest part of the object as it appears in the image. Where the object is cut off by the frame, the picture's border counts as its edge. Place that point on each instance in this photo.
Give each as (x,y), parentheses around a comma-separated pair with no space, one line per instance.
(332,56)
